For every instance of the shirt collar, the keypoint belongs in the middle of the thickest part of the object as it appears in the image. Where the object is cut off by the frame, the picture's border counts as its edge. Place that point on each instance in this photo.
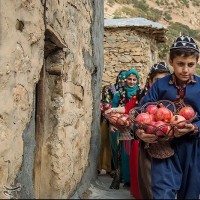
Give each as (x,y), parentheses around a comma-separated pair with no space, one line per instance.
(173,80)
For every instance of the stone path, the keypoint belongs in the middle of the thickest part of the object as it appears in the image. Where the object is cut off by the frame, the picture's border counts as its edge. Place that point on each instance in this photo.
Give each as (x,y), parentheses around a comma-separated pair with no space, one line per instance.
(100,190)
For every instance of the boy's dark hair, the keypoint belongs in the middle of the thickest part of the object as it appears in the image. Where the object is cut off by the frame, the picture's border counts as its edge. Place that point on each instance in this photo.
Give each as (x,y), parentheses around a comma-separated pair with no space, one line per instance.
(185,52)
(184,45)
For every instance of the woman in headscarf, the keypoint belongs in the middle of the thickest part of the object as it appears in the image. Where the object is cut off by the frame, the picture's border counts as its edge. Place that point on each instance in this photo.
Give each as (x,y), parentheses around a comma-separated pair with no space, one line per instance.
(108,91)
(121,149)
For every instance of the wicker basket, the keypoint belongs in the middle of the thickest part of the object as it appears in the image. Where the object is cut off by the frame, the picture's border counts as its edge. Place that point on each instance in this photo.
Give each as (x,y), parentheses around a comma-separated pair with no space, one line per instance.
(124,126)
(162,149)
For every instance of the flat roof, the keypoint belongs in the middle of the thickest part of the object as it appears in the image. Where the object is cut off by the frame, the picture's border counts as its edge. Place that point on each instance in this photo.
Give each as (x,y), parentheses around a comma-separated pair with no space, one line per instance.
(124,22)
(156,29)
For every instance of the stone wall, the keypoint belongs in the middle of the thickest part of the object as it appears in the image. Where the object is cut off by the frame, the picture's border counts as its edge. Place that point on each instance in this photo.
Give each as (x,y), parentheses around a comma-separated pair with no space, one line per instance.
(51,67)
(126,48)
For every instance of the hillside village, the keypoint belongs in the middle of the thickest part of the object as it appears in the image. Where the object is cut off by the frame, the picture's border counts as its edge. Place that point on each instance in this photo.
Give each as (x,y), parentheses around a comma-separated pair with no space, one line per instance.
(180,16)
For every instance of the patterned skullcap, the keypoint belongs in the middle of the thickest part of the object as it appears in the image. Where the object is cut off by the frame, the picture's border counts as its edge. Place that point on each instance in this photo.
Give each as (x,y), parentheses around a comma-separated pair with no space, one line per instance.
(159,68)
(186,42)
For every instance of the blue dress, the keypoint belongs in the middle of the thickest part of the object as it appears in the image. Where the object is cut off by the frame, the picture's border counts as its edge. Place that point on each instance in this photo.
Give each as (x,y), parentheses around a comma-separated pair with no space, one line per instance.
(180,173)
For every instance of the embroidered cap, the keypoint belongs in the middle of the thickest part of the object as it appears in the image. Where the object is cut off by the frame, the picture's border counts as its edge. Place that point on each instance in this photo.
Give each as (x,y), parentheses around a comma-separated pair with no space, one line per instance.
(186,42)
(159,67)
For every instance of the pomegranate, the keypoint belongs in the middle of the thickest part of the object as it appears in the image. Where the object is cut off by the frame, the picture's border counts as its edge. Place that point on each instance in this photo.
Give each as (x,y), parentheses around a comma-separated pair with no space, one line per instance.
(143,118)
(152,117)
(107,106)
(123,120)
(150,127)
(163,114)
(162,128)
(187,112)
(101,107)
(151,109)
(179,121)
(113,117)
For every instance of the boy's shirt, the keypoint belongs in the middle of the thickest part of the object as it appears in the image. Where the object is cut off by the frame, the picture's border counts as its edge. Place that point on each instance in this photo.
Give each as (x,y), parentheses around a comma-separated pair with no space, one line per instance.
(165,89)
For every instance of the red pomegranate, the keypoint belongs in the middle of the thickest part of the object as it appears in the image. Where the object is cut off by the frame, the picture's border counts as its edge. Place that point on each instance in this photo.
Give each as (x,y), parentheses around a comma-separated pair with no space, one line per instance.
(107,106)
(101,107)
(143,118)
(113,117)
(152,116)
(162,128)
(150,128)
(163,114)
(187,112)
(123,120)
(179,121)
(151,109)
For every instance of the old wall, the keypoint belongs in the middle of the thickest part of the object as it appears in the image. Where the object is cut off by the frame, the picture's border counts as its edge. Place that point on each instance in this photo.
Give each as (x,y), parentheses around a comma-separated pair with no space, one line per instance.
(21,59)
(125,48)
(51,67)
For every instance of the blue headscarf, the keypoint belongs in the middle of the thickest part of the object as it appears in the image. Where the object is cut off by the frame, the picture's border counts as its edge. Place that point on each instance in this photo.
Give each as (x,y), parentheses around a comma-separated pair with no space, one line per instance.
(130,91)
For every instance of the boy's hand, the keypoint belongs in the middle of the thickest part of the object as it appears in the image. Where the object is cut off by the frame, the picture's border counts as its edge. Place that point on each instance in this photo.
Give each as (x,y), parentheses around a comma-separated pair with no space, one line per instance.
(148,138)
(180,132)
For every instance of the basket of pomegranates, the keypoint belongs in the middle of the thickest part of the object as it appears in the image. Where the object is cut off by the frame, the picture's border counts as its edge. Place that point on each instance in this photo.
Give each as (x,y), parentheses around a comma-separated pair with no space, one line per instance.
(104,107)
(122,122)
(161,119)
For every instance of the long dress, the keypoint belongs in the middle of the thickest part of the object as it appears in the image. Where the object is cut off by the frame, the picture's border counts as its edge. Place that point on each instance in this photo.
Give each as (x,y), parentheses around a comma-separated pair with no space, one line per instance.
(105,148)
(134,187)
(134,159)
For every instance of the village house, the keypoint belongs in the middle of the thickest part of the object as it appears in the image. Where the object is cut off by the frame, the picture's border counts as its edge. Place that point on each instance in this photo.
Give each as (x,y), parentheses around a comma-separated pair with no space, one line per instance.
(130,42)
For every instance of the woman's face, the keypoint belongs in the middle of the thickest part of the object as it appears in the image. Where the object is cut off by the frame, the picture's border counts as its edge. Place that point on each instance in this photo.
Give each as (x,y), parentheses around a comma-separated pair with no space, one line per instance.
(131,80)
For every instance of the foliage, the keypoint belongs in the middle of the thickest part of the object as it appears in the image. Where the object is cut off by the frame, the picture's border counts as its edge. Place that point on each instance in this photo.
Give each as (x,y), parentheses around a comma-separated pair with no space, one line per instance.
(111,2)
(151,14)
(196,3)
(167,16)
(175,29)
(186,2)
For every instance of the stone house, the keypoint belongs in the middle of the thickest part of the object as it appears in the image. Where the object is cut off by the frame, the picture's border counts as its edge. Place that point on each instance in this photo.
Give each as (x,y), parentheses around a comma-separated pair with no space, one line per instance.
(51,62)
(130,42)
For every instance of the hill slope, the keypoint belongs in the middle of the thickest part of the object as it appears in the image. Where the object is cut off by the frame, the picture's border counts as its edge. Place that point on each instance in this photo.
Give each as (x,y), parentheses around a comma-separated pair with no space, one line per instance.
(177,10)
(179,16)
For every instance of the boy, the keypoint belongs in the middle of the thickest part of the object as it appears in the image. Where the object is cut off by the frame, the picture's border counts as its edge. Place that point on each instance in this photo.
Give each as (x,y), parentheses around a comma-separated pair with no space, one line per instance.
(179,174)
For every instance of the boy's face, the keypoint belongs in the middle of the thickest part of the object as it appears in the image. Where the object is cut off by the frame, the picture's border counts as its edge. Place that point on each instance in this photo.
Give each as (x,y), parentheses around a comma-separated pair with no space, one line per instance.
(184,67)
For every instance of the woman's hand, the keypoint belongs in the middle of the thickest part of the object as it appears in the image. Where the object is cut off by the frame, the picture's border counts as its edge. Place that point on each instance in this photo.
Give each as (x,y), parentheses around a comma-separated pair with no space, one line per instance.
(148,138)
(115,110)
(113,128)
(180,132)
(109,110)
